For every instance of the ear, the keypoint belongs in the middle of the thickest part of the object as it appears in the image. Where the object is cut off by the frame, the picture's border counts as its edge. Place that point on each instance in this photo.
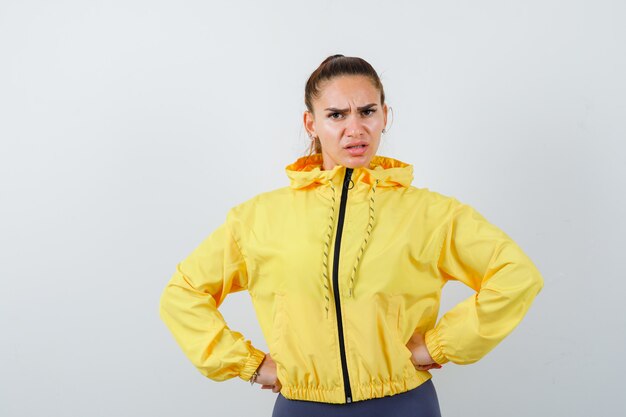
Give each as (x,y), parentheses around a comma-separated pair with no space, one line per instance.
(309,122)
(385,111)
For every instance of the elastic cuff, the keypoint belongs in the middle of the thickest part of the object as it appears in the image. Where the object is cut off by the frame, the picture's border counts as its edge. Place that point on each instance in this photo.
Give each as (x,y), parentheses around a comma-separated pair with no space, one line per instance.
(252,363)
(433,344)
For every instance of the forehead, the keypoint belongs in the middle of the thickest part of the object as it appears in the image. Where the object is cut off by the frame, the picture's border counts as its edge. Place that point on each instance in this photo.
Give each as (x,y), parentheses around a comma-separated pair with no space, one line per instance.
(347,89)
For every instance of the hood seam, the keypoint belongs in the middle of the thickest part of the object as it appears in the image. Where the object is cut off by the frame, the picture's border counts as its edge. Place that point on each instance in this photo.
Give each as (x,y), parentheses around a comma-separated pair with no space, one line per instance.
(307,172)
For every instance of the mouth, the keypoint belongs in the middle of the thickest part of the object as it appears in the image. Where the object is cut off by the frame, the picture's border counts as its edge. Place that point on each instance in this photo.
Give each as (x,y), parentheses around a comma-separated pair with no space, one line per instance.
(356,145)
(357,149)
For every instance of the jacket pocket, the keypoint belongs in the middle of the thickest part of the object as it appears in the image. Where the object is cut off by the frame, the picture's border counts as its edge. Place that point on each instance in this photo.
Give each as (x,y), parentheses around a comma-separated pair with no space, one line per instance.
(278,324)
(278,346)
(302,343)
(396,323)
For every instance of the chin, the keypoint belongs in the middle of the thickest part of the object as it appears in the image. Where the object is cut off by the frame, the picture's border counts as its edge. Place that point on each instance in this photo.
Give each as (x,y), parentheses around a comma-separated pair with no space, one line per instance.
(358,162)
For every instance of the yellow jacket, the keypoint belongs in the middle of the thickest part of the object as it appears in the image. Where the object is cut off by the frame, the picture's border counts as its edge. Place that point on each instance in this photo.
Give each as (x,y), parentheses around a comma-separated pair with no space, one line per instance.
(341,277)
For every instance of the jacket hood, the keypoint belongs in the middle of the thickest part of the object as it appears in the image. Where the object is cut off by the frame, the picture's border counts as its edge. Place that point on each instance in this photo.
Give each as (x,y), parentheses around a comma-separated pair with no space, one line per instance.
(307,171)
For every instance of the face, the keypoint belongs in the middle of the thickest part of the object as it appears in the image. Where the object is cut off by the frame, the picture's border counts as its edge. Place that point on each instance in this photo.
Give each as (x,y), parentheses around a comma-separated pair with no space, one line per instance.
(347,112)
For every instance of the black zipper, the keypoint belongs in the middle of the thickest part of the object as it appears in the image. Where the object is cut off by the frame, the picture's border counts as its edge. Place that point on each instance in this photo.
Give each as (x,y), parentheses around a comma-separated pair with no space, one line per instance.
(342,347)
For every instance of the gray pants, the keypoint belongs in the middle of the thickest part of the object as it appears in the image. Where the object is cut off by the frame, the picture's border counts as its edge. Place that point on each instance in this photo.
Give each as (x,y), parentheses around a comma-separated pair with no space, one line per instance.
(418,402)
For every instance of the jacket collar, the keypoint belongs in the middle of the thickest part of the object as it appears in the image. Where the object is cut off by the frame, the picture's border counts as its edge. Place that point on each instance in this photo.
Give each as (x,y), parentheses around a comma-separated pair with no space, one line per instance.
(307,171)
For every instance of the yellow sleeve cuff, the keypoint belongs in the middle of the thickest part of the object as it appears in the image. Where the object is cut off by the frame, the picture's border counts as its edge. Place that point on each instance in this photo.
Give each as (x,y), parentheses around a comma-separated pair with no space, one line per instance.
(251,364)
(433,344)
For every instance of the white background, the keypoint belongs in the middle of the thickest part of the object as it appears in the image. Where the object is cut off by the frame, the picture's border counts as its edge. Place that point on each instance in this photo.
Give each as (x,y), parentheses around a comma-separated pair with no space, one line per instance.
(129,128)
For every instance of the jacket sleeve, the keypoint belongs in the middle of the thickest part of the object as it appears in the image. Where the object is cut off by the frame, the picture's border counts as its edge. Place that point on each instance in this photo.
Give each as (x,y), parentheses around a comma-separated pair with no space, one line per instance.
(189,307)
(506,281)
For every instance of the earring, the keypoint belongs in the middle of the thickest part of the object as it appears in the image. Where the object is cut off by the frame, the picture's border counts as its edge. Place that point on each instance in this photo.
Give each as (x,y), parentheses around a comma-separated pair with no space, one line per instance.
(385,130)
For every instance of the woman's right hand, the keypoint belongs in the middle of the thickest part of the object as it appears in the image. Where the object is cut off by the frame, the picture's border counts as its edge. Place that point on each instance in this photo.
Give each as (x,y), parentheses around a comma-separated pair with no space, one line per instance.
(422,361)
(267,374)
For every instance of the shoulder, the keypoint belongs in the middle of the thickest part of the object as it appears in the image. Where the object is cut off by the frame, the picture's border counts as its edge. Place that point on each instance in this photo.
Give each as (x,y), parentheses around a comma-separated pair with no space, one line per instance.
(448,209)
(247,208)
(432,200)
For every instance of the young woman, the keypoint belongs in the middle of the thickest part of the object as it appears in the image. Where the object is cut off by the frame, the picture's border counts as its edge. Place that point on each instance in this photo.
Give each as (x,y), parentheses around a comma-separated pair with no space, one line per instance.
(345,268)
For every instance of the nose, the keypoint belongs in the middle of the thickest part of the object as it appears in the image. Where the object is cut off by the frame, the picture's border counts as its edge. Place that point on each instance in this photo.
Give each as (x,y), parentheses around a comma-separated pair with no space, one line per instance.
(354,129)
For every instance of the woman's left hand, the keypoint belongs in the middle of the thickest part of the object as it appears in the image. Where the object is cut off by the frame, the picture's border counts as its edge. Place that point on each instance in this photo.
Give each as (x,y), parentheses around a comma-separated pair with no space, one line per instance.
(267,374)
(422,361)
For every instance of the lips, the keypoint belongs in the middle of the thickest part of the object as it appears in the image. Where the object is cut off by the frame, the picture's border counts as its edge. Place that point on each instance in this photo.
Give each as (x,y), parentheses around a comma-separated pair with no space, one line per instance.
(357,149)
(356,144)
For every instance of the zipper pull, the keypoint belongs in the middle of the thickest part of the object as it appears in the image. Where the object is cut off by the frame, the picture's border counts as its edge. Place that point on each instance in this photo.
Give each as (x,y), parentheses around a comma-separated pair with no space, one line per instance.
(348,184)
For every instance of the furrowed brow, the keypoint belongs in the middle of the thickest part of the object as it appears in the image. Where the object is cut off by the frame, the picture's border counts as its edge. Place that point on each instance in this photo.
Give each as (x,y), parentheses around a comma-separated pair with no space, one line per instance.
(366,107)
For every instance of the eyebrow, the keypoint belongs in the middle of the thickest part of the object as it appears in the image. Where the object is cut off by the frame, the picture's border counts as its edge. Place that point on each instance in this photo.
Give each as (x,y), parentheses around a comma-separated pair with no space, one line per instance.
(366,107)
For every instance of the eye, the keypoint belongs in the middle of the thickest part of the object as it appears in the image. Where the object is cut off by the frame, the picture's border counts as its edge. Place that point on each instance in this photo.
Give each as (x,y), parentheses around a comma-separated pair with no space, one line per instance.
(332,115)
(369,112)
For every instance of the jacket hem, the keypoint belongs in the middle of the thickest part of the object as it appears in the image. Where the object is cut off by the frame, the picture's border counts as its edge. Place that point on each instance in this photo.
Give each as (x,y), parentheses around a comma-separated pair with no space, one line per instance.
(375,389)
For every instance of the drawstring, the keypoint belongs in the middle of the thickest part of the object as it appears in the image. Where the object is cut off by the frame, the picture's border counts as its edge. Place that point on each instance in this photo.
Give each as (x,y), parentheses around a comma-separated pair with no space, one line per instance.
(370,225)
(329,234)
